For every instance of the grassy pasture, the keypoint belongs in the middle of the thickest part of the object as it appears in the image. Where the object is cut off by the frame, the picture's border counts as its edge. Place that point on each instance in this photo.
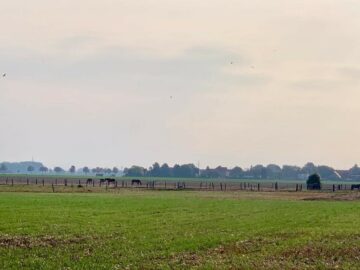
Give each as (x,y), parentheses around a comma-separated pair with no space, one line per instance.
(51,178)
(169,183)
(142,229)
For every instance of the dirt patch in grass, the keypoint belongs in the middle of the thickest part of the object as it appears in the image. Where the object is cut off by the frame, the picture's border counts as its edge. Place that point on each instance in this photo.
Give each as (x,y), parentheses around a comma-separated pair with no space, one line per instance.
(31,242)
(222,254)
(283,195)
(333,252)
(320,255)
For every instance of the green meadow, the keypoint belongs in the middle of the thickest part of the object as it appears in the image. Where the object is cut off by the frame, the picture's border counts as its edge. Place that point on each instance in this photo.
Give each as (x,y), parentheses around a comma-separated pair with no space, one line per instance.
(132,229)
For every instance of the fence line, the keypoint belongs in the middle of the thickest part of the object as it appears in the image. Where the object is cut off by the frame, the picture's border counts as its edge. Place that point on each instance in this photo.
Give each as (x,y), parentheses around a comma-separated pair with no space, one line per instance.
(179,184)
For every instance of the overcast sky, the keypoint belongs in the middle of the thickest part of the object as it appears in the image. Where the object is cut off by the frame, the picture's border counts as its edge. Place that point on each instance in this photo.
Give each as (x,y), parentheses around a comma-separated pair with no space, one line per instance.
(122,82)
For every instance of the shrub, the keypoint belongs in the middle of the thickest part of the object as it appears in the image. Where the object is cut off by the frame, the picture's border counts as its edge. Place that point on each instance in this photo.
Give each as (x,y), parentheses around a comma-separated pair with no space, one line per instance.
(313,182)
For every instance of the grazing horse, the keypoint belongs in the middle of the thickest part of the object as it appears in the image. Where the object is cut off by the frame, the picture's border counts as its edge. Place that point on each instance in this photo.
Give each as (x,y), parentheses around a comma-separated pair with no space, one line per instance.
(110,180)
(136,181)
(357,186)
(89,181)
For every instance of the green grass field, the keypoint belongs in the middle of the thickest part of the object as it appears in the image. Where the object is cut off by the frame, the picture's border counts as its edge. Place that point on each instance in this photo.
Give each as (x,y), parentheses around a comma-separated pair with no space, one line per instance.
(177,230)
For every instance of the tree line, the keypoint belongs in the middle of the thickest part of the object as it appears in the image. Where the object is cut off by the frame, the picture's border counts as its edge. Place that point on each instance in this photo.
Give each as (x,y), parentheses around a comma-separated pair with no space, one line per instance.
(271,171)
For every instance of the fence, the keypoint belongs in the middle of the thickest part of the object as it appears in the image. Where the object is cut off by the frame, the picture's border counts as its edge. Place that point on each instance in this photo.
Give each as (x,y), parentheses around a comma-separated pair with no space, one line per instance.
(167,184)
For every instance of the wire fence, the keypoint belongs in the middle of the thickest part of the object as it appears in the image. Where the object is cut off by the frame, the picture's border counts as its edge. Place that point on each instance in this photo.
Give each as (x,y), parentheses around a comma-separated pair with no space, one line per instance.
(173,184)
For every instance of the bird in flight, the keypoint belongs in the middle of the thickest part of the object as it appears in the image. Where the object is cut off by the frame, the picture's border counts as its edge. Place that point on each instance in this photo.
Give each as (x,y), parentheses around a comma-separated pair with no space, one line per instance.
(4,75)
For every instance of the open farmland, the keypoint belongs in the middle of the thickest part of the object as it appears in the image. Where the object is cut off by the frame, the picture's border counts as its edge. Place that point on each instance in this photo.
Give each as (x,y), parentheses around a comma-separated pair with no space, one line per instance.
(159,183)
(144,229)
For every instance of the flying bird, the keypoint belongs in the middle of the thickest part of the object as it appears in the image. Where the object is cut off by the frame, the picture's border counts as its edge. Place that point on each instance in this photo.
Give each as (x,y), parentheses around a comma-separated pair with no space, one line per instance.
(4,75)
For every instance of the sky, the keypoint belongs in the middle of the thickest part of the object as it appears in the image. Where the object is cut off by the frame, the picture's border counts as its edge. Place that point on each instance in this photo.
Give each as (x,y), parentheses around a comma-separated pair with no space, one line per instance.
(219,82)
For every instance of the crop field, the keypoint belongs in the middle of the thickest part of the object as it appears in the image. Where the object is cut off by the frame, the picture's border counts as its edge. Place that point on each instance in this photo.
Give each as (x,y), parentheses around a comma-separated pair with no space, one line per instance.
(150,229)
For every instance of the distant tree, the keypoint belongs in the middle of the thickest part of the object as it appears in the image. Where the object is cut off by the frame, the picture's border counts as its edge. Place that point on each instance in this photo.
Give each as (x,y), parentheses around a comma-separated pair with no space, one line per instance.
(97,170)
(210,173)
(258,171)
(155,170)
(355,170)
(30,169)
(236,172)
(135,171)
(86,170)
(185,170)
(221,171)
(273,171)
(165,170)
(176,170)
(309,168)
(3,167)
(313,182)
(43,169)
(58,169)
(115,170)
(107,170)
(72,169)
(290,172)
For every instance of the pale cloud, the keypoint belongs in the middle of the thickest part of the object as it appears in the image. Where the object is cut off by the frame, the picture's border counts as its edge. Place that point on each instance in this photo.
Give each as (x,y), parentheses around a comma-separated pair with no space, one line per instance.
(220,82)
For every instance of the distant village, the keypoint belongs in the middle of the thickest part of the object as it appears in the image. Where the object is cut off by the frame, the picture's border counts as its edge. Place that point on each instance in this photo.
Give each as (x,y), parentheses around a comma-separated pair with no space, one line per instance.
(271,171)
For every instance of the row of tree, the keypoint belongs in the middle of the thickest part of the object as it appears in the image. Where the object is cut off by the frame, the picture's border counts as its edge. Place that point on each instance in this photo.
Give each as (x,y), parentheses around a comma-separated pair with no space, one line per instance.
(271,171)
(71,170)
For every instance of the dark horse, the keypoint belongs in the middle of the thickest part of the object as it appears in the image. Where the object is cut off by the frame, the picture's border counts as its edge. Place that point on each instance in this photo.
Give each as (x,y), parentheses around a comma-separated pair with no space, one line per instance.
(355,186)
(136,181)
(110,180)
(89,181)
